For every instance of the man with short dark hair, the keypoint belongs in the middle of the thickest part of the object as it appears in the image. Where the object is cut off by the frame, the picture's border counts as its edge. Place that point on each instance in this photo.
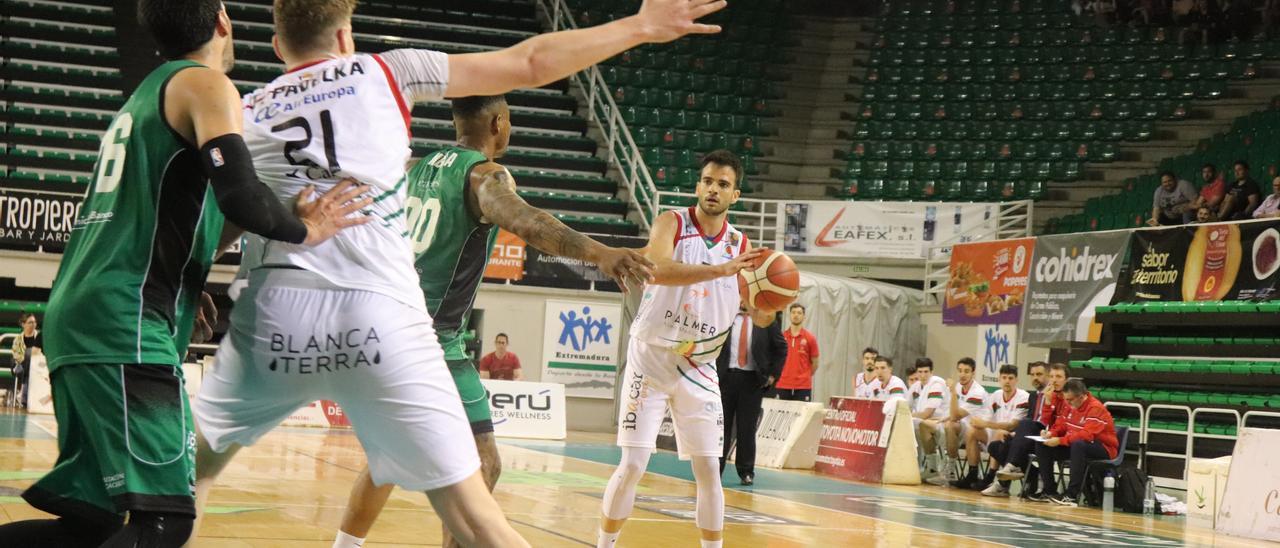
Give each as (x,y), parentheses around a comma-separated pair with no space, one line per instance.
(1171,203)
(1045,411)
(1004,409)
(862,378)
(501,364)
(886,385)
(796,381)
(968,399)
(1083,433)
(1212,189)
(930,408)
(1242,197)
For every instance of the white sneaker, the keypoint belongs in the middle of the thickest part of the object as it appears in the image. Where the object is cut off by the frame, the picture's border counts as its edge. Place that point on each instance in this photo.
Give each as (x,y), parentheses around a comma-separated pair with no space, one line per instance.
(939,479)
(995,490)
(1009,472)
(950,472)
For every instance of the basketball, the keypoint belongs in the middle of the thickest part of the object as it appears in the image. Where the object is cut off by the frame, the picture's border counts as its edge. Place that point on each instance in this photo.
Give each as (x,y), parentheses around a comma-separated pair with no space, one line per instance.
(773,284)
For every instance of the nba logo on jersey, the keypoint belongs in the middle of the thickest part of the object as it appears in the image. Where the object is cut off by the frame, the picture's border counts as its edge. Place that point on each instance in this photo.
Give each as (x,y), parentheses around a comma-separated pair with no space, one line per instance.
(215,154)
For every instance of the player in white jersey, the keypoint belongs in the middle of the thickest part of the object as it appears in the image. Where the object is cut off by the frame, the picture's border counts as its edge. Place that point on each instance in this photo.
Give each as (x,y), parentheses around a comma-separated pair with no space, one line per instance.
(861,379)
(1004,409)
(968,400)
(682,323)
(346,320)
(886,385)
(930,407)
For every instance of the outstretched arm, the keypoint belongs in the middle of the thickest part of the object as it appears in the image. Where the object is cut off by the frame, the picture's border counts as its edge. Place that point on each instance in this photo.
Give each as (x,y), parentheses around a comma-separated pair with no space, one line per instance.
(668,271)
(492,198)
(549,57)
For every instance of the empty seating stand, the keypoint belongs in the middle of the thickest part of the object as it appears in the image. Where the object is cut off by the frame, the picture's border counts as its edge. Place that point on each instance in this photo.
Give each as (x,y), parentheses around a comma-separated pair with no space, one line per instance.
(1024,85)
(59,87)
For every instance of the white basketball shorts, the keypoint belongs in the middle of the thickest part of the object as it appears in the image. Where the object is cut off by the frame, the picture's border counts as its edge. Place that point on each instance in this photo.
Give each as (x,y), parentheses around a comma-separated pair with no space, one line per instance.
(656,378)
(295,339)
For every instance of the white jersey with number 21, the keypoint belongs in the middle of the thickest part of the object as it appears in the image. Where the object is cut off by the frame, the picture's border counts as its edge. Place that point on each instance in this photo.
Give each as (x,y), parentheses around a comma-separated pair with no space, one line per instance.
(344,117)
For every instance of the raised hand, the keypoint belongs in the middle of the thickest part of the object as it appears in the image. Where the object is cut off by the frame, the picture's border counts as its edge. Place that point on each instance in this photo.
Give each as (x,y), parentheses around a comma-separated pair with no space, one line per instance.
(665,20)
(331,212)
(623,265)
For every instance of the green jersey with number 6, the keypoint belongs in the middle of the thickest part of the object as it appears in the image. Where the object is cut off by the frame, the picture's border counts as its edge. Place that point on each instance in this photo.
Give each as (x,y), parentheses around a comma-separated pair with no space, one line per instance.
(450,246)
(142,244)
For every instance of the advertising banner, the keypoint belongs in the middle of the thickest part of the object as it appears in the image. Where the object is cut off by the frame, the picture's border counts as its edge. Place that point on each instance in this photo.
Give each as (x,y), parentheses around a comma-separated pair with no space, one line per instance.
(788,433)
(854,440)
(1071,274)
(988,282)
(322,414)
(1210,262)
(526,409)
(507,260)
(997,345)
(580,347)
(37,218)
(1250,505)
(900,230)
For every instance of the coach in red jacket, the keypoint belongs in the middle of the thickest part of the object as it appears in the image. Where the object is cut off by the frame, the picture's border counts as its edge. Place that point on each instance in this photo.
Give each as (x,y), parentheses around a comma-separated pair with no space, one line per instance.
(1084,432)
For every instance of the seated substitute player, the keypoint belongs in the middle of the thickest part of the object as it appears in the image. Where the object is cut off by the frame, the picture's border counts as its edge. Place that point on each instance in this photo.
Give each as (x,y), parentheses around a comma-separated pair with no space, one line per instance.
(128,290)
(461,196)
(868,374)
(968,400)
(929,410)
(1049,404)
(1004,409)
(886,385)
(347,321)
(680,328)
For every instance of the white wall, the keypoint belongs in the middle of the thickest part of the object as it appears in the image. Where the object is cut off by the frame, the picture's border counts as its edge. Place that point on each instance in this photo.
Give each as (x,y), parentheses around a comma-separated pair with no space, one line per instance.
(945,344)
(518,312)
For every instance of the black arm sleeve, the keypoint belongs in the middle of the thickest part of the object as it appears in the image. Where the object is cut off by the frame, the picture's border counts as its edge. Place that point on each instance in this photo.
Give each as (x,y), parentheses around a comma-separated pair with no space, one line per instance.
(245,201)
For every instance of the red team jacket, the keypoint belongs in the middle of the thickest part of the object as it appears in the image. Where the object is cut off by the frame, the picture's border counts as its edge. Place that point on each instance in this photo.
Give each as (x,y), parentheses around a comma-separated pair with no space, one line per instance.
(1051,408)
(1090,422)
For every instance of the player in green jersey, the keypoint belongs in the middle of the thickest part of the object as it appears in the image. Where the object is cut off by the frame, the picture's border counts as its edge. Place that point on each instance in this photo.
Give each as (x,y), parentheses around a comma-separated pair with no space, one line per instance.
(459,197)
(128,290)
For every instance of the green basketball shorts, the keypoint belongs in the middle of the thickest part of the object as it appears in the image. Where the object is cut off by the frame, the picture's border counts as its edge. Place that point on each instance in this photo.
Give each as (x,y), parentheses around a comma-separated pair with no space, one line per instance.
(475,399)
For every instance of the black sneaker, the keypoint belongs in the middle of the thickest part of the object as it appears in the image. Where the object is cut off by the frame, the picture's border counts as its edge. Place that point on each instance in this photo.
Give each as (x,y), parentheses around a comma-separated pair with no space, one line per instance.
(749,479)
(1040,497)
(965,483)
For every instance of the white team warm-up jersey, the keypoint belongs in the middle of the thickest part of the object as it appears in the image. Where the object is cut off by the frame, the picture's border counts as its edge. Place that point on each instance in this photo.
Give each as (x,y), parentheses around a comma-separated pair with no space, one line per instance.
(932,394)
(319,123)
(1001,410)
(860,385)
(693,320)
(877,390)
(972,399)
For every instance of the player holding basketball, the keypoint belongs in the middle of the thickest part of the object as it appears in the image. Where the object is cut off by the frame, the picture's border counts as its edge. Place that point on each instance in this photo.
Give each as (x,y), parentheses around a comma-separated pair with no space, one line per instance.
(682,323)
(458,198)
(347,321)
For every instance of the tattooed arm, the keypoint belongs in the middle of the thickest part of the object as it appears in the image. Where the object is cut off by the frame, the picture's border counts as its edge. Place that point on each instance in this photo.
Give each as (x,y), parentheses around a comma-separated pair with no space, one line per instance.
(493,199)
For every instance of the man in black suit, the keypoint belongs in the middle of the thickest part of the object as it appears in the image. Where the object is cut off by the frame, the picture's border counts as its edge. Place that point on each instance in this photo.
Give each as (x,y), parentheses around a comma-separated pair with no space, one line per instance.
(748,367)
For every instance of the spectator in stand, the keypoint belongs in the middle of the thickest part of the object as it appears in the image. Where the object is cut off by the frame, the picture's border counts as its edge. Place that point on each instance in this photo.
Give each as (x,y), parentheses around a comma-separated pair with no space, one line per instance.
(1271,205)
(500,364)
(929,410)
(1083,433)
(25,346)
(868,372)
(747,369)
(1171,204)
(796,382)
(1049,403)
(1213,189)
(1204,215)
(968,399)
(1003,410)
(1243,196)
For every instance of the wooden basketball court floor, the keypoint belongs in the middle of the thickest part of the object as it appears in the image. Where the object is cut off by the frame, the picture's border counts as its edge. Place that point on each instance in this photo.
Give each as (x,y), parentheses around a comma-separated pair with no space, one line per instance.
(290,489)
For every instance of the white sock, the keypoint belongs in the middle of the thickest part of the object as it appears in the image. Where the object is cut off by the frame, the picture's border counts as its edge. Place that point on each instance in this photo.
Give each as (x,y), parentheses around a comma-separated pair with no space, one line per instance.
(606,540)
(712,543)
(347,541)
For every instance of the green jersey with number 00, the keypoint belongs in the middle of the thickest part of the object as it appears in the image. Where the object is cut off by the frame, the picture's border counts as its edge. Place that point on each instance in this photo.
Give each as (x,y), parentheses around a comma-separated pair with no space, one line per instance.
(451,247)
(143,242)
